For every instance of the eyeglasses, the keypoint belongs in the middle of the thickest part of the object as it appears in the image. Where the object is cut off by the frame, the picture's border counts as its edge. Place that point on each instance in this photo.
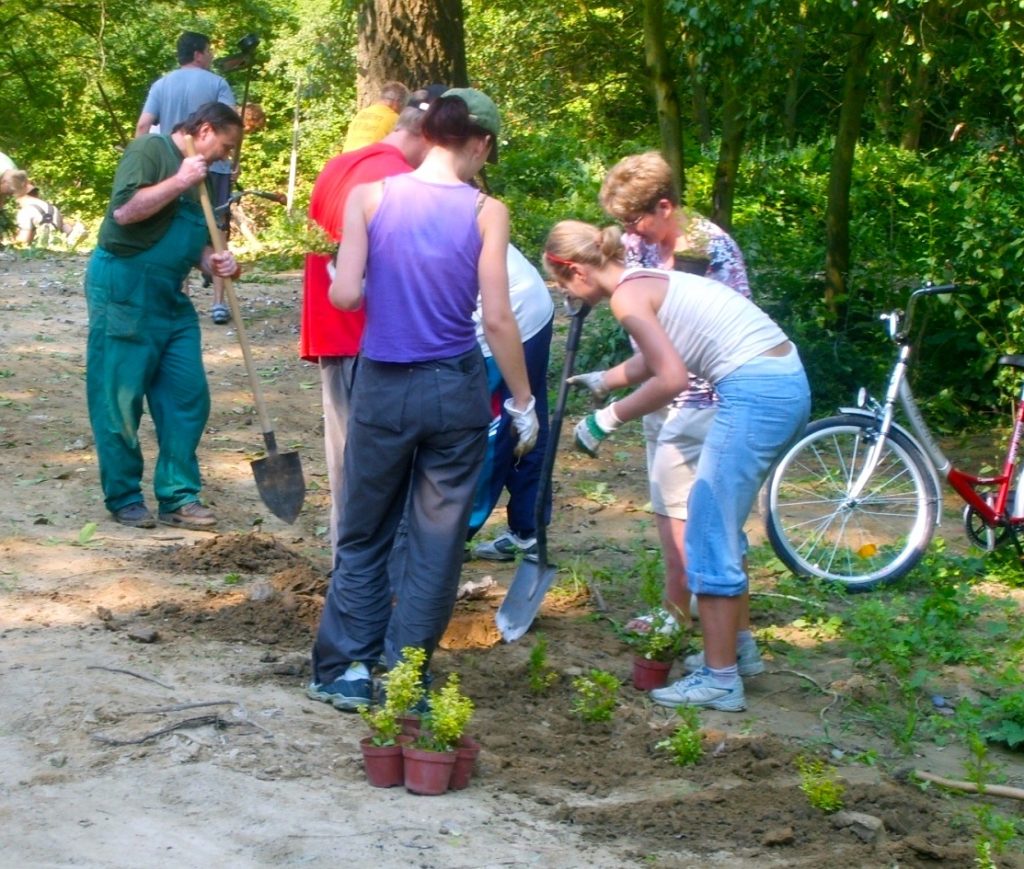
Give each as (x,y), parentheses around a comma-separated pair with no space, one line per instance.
(633,223)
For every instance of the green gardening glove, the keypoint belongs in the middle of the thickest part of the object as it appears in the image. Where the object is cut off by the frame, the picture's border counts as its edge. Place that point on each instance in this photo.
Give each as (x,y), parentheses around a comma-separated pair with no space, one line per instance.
(593,429)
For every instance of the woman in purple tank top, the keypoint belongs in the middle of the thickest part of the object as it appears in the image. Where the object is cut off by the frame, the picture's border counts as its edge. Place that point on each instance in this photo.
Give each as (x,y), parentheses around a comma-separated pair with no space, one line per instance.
(416,251)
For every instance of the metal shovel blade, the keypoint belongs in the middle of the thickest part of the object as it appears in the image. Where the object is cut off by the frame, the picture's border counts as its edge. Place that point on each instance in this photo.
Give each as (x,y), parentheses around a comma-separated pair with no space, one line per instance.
(280,484)
(523,599)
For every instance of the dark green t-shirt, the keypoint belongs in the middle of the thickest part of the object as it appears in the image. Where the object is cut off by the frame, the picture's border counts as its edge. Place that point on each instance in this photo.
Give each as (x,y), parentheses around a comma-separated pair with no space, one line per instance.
(147,160)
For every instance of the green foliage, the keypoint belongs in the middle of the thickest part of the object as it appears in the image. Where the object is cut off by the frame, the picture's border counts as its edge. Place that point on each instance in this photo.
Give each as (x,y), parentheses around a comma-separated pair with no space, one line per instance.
(995,832)
(649,570)
(539,675)
(596,695)
(403,683)
(685,744)
(450,712)
(819,783)
(658,643)
(383,723)
(952,208)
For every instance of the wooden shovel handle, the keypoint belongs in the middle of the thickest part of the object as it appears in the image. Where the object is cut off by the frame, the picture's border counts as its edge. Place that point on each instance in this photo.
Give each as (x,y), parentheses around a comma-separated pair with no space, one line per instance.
(236,312)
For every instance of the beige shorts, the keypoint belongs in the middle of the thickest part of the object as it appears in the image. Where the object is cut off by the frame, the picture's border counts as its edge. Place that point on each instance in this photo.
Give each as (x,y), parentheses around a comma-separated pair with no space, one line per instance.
(675,436)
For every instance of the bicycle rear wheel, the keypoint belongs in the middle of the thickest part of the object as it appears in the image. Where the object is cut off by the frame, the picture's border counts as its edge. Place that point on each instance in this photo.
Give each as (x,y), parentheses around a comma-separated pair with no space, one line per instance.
(816,529)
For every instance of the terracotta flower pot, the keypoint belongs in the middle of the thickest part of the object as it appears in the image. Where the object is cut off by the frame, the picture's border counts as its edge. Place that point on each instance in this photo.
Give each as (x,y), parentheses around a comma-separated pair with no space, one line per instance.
(410,725)
(649,674)
(427,772)
(383,763)
(465,759)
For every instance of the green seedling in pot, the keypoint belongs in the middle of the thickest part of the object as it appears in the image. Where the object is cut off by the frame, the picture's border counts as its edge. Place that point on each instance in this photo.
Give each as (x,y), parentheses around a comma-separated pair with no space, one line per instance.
(449,715)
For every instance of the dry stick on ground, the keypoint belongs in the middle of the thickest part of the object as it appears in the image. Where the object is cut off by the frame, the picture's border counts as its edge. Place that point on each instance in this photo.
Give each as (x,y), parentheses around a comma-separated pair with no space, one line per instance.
(971,787)
(199,721)
(178,707)
(595,592)
(130,673)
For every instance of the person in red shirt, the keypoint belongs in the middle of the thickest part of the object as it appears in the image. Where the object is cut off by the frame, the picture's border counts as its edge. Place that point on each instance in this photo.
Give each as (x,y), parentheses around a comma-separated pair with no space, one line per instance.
(328,336)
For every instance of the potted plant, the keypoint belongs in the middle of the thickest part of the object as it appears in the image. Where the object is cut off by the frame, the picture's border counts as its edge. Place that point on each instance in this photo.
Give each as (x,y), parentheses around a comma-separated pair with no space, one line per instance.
(382,753)
(382,749)
(654,651)
(403,689)
(430,759)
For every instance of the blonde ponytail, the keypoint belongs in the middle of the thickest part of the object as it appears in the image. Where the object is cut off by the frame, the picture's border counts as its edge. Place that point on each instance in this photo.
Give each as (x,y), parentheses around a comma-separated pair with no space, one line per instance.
(573,241)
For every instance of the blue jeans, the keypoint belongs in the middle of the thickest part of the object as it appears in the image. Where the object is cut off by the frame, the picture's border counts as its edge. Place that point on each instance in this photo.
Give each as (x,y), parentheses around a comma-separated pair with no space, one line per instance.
(763,406)
(501,468)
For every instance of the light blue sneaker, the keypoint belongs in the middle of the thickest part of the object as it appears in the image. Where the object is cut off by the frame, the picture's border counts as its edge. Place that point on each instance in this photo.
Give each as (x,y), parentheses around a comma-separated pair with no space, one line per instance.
(349,692)
(699,689)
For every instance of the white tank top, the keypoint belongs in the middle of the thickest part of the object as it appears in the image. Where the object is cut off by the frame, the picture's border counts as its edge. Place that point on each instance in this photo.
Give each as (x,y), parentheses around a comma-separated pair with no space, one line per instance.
(713,328)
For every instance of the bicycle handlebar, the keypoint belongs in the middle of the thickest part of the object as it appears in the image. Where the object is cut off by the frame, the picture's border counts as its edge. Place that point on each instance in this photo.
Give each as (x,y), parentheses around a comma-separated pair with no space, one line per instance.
(932,290)
(898,324)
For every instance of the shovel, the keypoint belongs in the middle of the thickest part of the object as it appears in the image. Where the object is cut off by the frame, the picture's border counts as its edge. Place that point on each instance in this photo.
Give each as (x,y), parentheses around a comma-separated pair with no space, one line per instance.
(533,578)
(278,475)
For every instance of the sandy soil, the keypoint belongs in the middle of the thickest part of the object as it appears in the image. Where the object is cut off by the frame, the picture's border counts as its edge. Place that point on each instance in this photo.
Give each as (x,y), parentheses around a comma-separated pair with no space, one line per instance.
(152,711)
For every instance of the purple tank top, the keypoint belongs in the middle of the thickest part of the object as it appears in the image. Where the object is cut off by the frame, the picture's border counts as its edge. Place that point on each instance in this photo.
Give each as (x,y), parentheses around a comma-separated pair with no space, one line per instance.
(421,272)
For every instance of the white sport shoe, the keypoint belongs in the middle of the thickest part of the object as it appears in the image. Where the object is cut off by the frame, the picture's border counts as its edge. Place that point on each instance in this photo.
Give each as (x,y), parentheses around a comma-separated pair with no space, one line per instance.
(748,661)
(506,547)
(699,689)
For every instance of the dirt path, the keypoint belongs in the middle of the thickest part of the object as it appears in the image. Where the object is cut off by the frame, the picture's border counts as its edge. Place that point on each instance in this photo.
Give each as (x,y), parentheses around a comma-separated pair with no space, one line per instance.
(152,712)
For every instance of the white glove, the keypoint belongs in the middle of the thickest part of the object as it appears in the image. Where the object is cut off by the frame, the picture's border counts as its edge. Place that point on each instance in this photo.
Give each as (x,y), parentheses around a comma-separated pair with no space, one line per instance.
(593,429)
(527,425)
(592,380)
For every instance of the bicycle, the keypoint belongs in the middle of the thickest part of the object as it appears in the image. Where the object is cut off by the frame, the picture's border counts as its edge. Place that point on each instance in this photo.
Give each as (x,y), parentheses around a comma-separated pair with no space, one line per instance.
(857,498)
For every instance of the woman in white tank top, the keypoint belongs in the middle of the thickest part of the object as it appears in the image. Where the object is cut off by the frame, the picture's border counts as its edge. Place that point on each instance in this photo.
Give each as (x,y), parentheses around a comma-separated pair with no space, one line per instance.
(683,323)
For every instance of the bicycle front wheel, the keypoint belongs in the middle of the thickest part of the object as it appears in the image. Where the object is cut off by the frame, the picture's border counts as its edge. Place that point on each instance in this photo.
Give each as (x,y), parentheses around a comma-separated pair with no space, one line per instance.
(817,529)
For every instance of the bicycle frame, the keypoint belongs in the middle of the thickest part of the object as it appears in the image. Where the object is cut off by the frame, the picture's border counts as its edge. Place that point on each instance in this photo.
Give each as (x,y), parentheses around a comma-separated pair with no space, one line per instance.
(992,510)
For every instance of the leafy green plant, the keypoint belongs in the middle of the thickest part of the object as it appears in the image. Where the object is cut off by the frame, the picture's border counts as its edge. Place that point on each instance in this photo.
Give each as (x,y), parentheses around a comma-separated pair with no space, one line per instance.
(685,744)
(403,683)
(383,723)
(995,833)
(659,642)
(86,534)
(819,783)
(450,712)
(597,693)
(596,492)
(648,568)
(540,676)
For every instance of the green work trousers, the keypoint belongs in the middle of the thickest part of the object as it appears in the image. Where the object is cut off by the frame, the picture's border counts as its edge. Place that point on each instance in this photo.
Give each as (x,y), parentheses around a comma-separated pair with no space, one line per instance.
(144,342)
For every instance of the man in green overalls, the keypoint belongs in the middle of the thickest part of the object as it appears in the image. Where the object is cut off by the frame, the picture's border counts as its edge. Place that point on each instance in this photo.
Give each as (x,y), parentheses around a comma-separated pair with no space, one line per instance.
(143,330)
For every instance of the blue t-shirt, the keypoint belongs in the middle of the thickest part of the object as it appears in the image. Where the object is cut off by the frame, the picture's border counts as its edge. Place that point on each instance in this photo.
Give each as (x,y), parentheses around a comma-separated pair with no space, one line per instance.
(175,96)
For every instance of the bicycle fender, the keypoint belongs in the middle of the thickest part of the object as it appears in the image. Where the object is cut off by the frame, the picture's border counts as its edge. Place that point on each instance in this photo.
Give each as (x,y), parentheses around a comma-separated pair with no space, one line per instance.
(903,430)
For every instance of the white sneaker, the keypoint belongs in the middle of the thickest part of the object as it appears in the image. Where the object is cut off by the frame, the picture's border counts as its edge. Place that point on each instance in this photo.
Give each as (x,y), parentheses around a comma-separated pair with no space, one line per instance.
(699,689)
(748,661)
(506,547)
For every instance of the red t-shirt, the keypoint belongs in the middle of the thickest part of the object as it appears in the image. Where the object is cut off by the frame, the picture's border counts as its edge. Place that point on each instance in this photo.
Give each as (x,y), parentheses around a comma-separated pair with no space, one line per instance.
(324,330)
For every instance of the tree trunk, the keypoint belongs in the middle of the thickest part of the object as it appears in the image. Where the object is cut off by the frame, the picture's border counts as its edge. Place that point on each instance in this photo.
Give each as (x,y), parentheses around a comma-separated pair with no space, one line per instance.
(916,106)
(417,42)
(792,103)
(837,212)
(665,101)
(723,192)
(701,113)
